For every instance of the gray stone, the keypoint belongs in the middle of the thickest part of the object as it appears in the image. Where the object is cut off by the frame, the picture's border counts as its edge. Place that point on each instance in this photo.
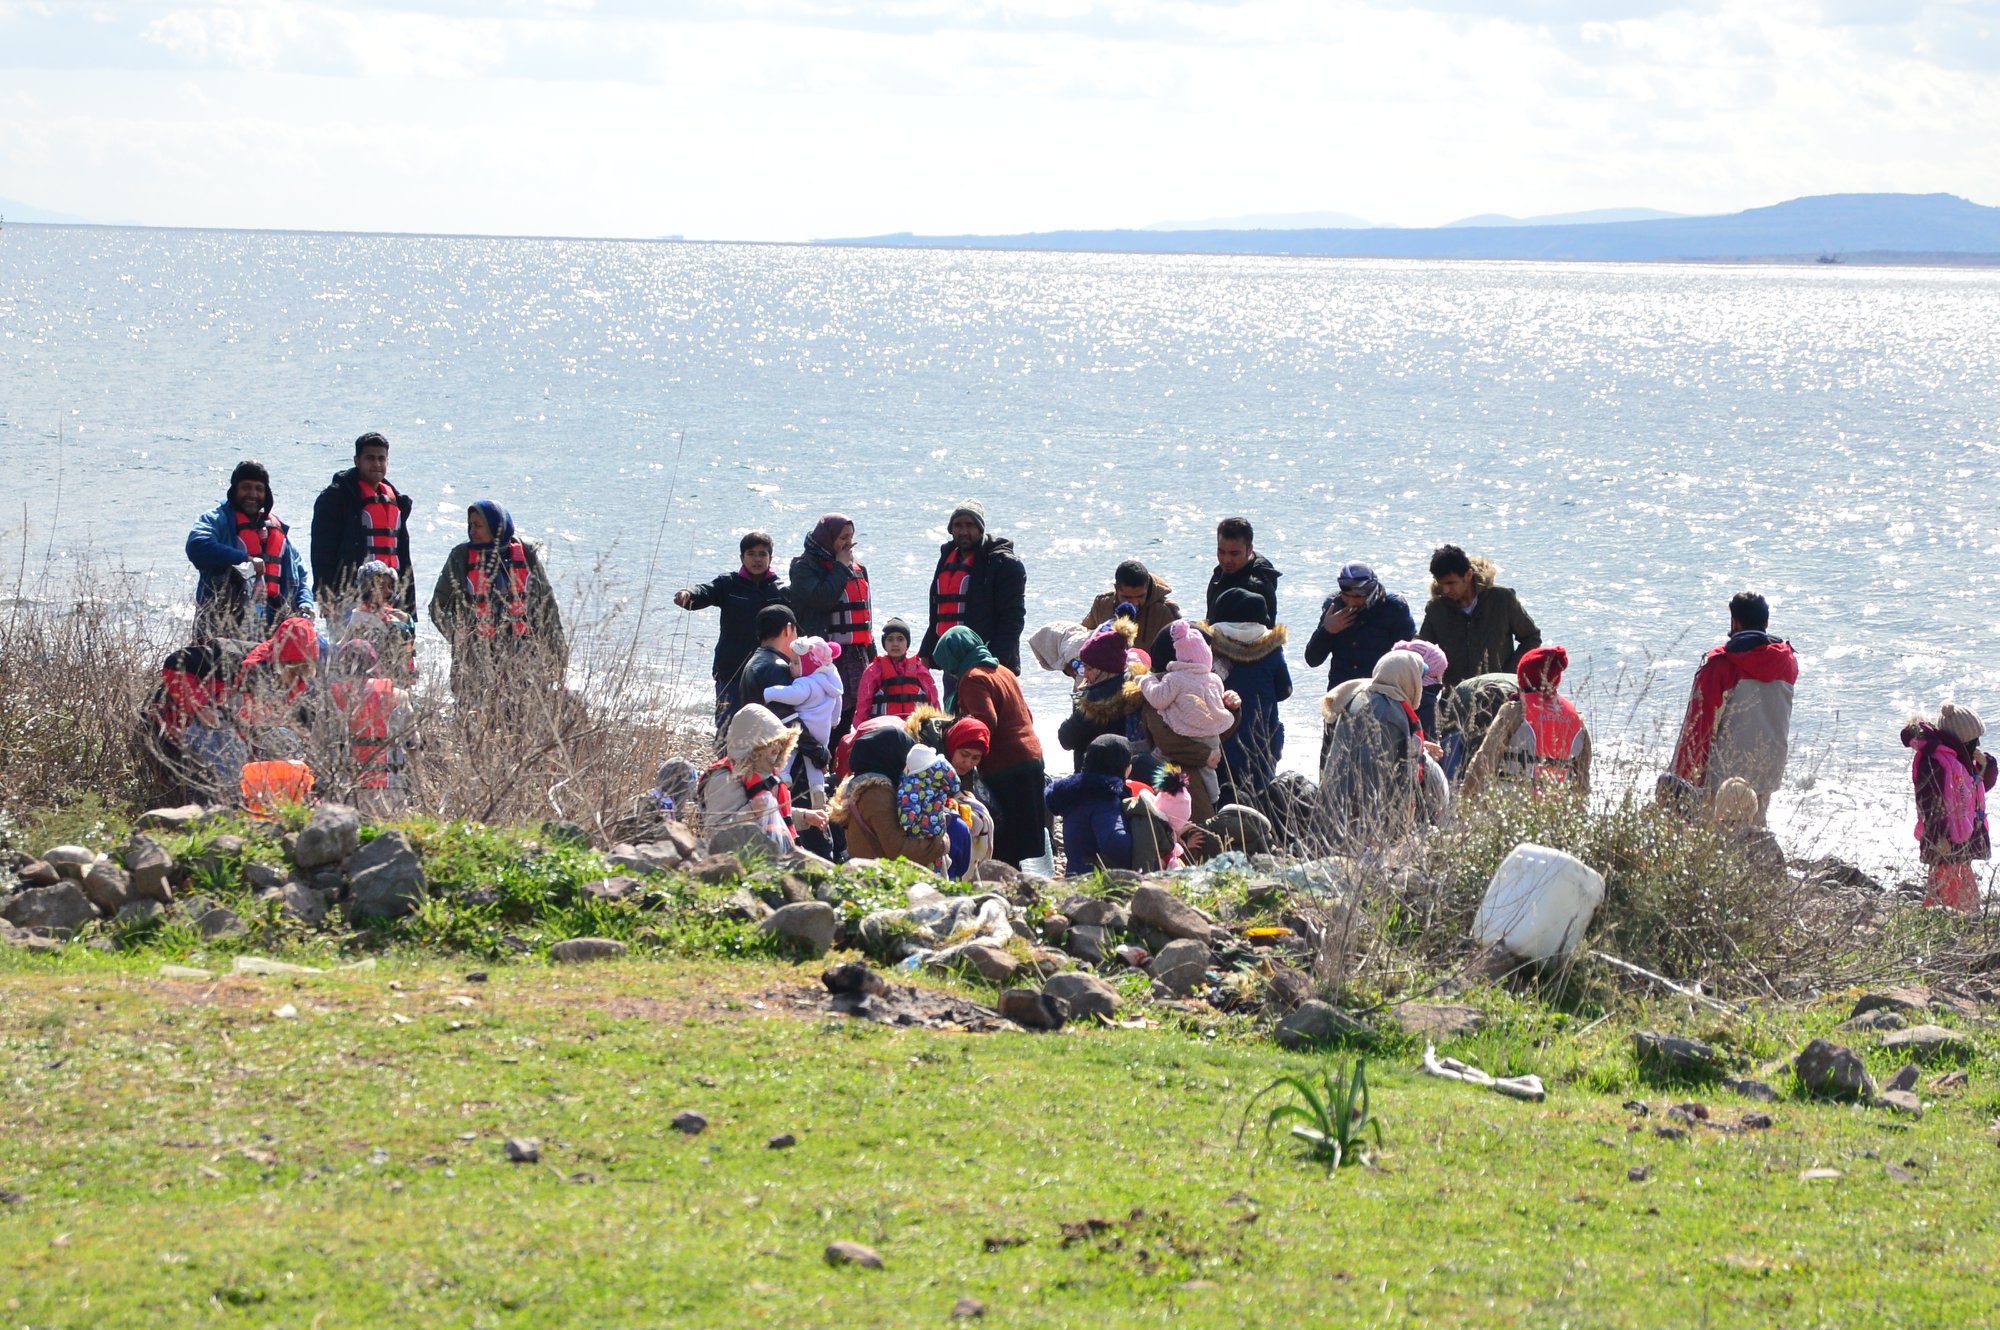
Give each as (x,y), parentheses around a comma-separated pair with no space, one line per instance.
(1314,1023)
(520,1151)
(1926,1043)
(151,869)
(1088,910)
(784,1140)
(1086,943)
(219,856)
(717,870)
(70,861)
(855,978)
(578,950)
(967,1309)
(263,877)
(652,857)
(178,818)
(1240,828)
(852,1253)
(689,1123)
(138,914)
(743,840)
(1439,1023)
(303,903)
(613,888)
(995,871)
(1181,965)
(1878,1018)
(1833,1072)
(744,906)
(1907,1001)
(35,873)
(387,878)
(1085,994)
(677,835)
(1032,1010)
(1901,1100)
(810,923)
(1752,1089)
(1162,911)
(220,922)
(992,964)
(1906,1079)
(61,909)
(332,836)
(1264,894)
(107,886)
(1674,1056)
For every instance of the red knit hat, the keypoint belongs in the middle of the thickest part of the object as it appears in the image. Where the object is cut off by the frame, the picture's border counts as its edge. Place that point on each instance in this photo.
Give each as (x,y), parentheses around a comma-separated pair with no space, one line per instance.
(297,641)
(968,733)
(1542,668)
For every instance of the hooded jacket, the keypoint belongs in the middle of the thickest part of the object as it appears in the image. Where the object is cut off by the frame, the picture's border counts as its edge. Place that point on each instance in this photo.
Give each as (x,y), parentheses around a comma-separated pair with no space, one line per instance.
(719,793)
(1931,748)
(214,548)
(739,598)
(1188,694)
(1491,639)
(1092,807)
(996,600)
(1374,770)
(1352,654)
(1104,707)
(340,543)
(1739,716)
(1259,575)
(1155,613)
(866,806)
(1251,660)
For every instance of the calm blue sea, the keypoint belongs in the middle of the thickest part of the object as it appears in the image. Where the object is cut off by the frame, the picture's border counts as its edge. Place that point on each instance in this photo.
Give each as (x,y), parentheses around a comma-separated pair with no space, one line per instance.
(1630,443)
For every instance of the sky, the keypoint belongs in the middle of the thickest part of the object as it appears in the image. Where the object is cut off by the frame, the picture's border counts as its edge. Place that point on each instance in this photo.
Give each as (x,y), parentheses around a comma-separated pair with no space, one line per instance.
(801,119)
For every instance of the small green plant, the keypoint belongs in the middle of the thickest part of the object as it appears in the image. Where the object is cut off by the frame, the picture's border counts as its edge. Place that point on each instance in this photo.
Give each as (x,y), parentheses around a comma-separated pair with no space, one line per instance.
(1331,1117)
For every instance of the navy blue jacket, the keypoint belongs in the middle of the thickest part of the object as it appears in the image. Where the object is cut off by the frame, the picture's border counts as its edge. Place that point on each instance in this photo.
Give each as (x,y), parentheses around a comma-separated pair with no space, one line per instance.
(1352,654)
(1252,750)
(1092,807)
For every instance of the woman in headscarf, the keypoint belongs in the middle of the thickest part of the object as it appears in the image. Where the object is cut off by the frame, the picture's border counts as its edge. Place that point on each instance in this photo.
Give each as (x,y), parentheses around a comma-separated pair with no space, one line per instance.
(1538,740)
(829,595)
(495,607)
(1373,776)
(1012,767)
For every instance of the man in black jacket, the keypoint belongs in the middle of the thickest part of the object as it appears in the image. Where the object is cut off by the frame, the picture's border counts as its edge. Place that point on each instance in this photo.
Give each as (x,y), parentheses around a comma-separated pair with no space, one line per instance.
(358,517)
(771,666)
(740,594)
(980,582)
(1238,566)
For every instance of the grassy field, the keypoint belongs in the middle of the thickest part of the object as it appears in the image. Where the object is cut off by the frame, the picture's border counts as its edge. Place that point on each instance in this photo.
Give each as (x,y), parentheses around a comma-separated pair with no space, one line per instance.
(178,1153)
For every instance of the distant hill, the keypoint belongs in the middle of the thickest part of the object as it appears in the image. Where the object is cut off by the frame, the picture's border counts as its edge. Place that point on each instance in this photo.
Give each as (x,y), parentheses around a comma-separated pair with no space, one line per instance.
(1934,225)
(1272,221)
(25,212)
(1590,218)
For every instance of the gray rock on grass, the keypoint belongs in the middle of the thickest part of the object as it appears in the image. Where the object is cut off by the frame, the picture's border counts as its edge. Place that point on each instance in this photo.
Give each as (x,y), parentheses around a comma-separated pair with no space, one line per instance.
(1181,965)
(581,950)
(333,835)
(386,877)
(62,909)
(1676,1056)
(108,887)
(1313,1024)
(1833,1071)
(811,924)
(1161,910)
(1084,994)
(1032,1010)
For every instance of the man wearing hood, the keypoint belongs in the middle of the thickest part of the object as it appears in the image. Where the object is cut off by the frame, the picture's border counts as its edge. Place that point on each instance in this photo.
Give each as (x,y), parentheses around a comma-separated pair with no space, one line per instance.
(981,583)
(1480,624)
(495,606)
(1239,567)
(1739,713)
(1152,600)
(360,518)
(251,576)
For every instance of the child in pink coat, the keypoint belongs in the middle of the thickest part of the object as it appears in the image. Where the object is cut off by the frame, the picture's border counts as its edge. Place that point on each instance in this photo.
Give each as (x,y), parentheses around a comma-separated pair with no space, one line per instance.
(1189,695)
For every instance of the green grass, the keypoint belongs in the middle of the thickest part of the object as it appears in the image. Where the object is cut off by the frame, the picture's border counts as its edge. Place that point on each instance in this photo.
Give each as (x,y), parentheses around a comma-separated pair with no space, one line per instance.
(188,1158)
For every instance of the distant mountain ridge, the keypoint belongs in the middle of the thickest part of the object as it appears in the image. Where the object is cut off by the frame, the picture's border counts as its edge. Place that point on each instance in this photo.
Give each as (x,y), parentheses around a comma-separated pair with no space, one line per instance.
(1590,218)
(1822,225)
(15,211)
(1271,221)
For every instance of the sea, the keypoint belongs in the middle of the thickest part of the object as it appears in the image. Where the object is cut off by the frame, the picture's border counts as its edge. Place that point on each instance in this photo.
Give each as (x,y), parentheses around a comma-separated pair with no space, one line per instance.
(1630,443)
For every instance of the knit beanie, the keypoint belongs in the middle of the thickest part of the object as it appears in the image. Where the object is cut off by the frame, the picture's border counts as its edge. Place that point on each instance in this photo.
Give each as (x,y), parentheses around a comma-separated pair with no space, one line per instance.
(1108,755)
(1962,724)
(1435,662)
(1190,647)
(1240,605)
(921,758)
(1541,669)
(1175,801)
(893,627)
(1104,651)
(968,733)
(815,653)
(973,509)
(251,471)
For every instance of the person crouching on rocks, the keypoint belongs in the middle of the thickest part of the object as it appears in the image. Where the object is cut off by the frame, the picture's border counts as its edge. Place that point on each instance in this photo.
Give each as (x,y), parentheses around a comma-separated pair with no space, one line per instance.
(746,788)
(865,804)
(1092,806)
(1952,777)
(1371,790)
(1539,740)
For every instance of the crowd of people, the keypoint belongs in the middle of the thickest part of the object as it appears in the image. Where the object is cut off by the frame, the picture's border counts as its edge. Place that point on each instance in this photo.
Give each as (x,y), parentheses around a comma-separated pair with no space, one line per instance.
(849,737)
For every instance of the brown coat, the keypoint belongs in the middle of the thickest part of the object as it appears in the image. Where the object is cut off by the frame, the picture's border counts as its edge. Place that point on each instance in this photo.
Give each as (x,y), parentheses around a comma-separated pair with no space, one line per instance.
(1155,614)
(866,806)
(1190,755)
(994,696)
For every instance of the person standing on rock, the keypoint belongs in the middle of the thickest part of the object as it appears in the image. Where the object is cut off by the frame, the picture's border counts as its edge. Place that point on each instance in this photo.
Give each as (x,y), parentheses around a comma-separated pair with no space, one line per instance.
(1132,584)
(979,582)
(1239,567)
(1952,777)
(496,608)
(741,595)
(1012,768)
(830,597)
(251,577)
(1479,623)
(1739,712)
(360,518)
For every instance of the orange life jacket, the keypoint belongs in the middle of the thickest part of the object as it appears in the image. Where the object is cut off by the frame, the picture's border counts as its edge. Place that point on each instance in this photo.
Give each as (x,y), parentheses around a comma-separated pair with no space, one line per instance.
(898,692)
(485,616)
(269,784)
(368,705)
(381,519)
(952,578)
(1556,724)
(265,539)
(850,625)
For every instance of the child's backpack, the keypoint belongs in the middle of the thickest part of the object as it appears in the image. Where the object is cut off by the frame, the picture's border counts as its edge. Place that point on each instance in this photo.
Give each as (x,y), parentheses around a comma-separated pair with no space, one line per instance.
(1964,799)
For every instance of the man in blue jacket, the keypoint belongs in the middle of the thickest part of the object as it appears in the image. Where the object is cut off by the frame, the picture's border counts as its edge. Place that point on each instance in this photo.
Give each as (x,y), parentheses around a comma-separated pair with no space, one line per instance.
(1358,624)
(251,577)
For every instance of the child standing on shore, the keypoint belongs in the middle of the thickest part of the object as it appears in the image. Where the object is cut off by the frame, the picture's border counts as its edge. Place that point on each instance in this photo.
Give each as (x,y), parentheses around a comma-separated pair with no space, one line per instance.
(1952,777)
(895,682)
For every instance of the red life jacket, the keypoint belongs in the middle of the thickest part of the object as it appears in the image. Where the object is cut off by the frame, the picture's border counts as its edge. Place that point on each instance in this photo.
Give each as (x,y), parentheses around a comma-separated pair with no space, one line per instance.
(851,617)
(381,519)
(192,688)
(368,704)
(265,539)
(898,692)
(953,576)
(1556,725)
(485,617)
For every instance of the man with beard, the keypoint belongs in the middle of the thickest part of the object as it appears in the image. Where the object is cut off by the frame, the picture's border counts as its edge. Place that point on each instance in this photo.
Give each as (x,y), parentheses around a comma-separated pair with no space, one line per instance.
(251,576)
(981,583)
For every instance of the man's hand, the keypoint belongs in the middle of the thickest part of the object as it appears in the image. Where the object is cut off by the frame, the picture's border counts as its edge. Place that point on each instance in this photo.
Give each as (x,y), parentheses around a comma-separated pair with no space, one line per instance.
(683,598)
(812,817)
(1338,619)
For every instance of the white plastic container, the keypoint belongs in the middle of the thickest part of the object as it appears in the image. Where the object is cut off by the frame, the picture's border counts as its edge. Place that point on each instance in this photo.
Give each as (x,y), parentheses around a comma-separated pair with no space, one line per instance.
(1538,904)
